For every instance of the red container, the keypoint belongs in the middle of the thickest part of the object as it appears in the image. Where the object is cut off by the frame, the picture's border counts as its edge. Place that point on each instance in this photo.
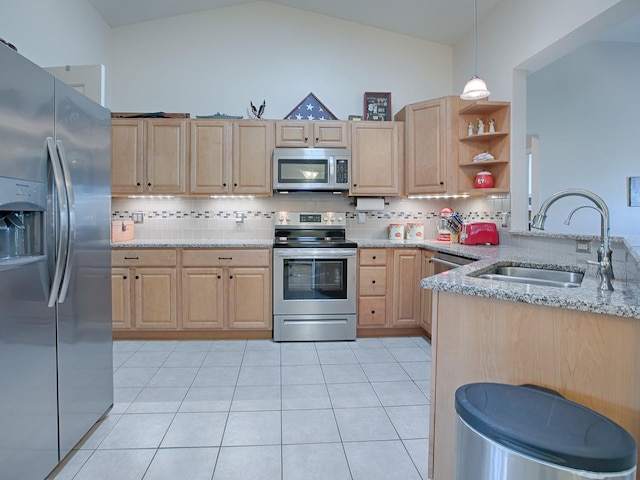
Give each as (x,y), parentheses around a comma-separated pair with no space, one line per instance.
(483,180)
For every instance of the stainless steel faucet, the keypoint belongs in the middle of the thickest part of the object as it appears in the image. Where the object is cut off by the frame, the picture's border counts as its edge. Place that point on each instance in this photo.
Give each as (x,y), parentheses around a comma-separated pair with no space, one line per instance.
(605,267)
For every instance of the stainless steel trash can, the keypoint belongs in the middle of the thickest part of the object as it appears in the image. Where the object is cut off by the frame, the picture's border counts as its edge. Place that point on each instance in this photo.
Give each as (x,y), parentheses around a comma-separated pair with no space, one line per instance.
(509,432)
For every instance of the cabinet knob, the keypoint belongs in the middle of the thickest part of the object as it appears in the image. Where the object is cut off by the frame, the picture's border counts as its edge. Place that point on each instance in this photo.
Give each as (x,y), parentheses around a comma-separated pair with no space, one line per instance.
(224,184)
(373,281)
(441,183)
(231,277)
(124,277)
(138,184)
(355,184)
(149,184)
(137,277)
(219,276)
(235,184)
(306,139)
(373,312)
(317,139)
(374,257)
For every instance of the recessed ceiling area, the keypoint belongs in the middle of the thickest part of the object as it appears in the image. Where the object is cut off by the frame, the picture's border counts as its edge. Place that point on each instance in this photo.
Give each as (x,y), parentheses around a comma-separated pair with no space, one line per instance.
(439,21)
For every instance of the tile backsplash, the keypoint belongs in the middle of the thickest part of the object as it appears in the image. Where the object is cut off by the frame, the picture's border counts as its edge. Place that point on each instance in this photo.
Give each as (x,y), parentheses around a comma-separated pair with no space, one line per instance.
(215,218)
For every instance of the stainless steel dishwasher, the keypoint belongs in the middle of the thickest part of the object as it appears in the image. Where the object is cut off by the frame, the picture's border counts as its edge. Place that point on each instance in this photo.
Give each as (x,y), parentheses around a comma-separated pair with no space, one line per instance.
(446,261)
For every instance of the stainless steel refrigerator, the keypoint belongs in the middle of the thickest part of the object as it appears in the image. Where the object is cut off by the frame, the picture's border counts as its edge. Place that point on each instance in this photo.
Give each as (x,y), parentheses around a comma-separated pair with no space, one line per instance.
(56,366)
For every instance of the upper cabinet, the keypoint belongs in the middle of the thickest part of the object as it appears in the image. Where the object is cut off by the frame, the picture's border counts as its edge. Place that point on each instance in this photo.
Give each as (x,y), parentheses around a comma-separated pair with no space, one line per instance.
(231,157)
(251,157)
(430,145)
(321,133)
(492,139)
(148,155)
(376,158)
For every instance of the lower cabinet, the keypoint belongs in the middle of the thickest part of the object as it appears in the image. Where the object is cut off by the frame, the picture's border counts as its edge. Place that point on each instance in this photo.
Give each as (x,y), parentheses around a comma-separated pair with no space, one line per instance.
(191,289)
(426,294)
(389,292)
(144,289)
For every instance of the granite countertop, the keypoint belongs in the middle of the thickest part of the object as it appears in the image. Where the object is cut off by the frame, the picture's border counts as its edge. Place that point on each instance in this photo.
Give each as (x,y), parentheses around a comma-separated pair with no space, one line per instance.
(209,243)
(624,301)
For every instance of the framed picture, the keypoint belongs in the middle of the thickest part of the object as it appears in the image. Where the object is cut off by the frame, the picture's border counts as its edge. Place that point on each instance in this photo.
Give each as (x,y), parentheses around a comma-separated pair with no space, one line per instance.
(377,106)
(634,191)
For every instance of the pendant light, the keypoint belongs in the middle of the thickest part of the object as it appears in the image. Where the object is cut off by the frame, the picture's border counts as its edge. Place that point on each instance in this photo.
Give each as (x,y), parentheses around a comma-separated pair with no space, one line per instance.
(475,88)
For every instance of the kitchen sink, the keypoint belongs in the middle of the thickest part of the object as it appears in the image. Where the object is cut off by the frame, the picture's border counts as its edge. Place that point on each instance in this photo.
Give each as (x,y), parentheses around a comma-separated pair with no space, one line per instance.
(532,276)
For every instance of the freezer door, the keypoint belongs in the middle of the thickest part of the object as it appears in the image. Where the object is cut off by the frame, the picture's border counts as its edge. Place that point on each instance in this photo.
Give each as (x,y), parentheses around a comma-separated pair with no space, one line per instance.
(28,404)
(85,364)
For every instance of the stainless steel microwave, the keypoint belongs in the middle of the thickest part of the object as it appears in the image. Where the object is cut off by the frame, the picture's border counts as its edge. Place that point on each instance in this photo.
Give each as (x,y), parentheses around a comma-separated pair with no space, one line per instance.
(311,169)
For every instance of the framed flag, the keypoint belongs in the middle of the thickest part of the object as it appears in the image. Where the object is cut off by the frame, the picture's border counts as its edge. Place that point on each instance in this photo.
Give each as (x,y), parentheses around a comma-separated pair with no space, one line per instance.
(310,108)
(377,106)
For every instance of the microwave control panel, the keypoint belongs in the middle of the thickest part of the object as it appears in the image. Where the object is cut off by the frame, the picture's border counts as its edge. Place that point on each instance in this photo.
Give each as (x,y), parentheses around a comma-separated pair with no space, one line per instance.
(342,171)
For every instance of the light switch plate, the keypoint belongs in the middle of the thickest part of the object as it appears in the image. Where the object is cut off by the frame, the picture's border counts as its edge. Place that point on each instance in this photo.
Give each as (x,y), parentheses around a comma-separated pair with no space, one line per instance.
(362,217)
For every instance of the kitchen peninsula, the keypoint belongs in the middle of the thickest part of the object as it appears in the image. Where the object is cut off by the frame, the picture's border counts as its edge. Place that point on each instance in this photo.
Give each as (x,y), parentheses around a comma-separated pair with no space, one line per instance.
(582,342)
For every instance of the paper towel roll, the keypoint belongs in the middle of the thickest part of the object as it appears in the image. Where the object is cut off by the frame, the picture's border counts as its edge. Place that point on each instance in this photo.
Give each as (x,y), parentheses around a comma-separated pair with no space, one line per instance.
(369,204)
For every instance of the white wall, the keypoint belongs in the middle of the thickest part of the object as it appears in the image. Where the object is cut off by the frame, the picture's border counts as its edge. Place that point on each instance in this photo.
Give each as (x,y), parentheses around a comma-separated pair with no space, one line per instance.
(57,33)
(588,133)
(220,60)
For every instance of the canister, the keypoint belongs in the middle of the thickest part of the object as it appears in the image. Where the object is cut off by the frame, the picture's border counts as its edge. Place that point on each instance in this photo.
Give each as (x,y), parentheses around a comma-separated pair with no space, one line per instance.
(396,231)
(415,231)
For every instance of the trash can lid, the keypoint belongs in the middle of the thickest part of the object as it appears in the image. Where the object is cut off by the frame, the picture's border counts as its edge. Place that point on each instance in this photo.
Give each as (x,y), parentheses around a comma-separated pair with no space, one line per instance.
(546,426)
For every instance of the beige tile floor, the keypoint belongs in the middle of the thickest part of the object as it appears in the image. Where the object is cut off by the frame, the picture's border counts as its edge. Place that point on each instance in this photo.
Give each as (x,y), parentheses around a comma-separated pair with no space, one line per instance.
(259,410)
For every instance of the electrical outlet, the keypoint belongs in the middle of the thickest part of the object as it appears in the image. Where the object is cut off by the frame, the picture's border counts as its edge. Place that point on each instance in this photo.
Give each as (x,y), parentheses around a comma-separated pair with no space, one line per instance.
(583,246)
(137,217)
(362,217)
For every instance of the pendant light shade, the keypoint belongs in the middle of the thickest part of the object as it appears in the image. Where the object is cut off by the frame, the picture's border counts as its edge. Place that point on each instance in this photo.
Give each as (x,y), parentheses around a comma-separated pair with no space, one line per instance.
(475,88)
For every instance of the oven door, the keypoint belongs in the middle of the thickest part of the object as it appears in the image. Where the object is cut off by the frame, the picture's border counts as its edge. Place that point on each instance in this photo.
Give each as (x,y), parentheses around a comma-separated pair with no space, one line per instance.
(314,281)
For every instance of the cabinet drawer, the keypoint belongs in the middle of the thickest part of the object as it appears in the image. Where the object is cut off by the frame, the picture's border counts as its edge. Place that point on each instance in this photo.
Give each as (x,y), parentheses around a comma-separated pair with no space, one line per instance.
(372,311)
(147,257)
(226,257)
(372,281)
(373,256)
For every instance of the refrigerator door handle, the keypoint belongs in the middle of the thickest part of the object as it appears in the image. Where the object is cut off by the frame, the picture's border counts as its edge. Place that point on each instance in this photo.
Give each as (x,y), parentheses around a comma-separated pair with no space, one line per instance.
(71,221)
(63,227)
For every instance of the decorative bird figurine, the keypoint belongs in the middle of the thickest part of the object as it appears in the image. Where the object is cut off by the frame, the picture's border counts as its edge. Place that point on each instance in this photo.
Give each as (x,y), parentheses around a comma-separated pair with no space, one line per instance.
(257,113)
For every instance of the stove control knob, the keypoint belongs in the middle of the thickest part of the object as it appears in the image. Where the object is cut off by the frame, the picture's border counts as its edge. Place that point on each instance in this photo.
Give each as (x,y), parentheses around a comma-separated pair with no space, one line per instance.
(339,219)
(333,219)
(326,219)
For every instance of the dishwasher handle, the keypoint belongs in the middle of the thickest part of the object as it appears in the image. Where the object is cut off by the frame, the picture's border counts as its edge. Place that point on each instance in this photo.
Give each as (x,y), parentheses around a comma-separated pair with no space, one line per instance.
(445,262)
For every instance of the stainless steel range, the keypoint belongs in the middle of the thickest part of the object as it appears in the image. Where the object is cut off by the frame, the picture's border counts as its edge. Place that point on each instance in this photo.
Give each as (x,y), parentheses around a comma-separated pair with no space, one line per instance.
(314,278)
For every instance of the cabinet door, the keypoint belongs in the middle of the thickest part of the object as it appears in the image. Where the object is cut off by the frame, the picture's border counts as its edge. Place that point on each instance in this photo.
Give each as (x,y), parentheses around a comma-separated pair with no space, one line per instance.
(293,133)
(426,147)
(375,158)
(155,298)
(330,134)
(372,281)
(166,156)
(127,155)
(407,270)
(426,294)
(249,298)
(210,157)
(121,298)
(252,149)
(203,298)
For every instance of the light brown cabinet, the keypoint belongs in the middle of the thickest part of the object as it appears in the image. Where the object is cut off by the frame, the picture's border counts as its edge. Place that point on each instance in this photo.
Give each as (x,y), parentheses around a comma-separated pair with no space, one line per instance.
(227,289)
(496,143)
(148,156)
(322,134)
(251,157)
(389,292)
(144,289)
(407,272)
(373,274)
(426,294)
(231,157)
(430,145)
(376,158)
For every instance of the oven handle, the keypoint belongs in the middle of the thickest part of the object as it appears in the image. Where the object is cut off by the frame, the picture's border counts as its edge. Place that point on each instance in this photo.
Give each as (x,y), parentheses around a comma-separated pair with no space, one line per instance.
(314,252)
